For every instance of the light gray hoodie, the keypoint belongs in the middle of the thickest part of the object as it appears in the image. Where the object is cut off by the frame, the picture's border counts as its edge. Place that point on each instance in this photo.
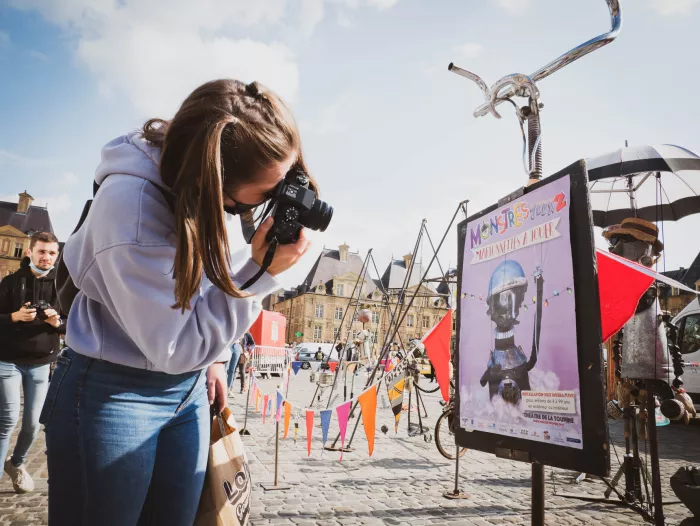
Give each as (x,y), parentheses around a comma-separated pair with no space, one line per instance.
(122,261)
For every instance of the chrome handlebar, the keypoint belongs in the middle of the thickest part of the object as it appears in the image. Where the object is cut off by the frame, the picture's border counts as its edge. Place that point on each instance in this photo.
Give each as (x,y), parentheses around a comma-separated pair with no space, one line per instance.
(523,85)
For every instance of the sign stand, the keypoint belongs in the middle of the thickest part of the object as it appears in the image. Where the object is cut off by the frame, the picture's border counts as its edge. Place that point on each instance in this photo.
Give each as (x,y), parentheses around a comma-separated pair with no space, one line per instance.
(537,504)
(275,486)
(456,494)
(244,431)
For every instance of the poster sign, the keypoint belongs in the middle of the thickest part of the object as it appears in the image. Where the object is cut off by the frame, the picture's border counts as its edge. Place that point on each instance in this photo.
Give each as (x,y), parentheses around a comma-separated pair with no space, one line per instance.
(528,318)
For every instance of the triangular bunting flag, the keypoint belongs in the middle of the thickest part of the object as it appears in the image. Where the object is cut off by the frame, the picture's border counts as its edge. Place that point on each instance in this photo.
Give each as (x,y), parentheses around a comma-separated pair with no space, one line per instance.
(287,417)
(343,412)
(278,412)
(257,401)
(325,423)
(437,346)
(296,366)
(269,406)
(264,407)
(309,428)
(368,404)
(333,365)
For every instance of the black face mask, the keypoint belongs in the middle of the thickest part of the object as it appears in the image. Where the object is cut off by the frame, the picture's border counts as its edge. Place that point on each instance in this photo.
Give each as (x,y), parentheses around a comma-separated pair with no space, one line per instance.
(240,208)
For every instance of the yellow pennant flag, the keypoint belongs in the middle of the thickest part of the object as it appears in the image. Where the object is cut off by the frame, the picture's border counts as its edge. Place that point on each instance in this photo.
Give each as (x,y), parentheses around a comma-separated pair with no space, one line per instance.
(287,417)
(368,404)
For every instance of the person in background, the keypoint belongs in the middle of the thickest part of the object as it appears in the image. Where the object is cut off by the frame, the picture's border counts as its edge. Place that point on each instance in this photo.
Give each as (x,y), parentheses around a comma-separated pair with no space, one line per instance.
(236,351)
(30,330)
(319,355)
(245,363)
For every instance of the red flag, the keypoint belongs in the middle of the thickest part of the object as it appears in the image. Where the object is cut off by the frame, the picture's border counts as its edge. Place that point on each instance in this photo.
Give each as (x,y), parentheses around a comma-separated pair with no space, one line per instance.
(437,345)
(620,287)
(333,365)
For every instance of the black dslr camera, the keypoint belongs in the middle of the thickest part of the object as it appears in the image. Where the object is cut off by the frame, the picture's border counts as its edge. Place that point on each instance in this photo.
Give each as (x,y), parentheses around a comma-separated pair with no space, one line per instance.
(40,307)
(295,206)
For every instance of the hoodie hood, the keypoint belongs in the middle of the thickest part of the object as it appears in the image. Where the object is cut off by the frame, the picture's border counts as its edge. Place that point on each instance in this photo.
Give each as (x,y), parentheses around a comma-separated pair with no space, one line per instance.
(130,155)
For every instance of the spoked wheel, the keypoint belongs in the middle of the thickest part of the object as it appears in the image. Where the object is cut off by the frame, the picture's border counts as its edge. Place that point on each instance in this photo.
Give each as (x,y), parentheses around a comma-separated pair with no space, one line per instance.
(445,439)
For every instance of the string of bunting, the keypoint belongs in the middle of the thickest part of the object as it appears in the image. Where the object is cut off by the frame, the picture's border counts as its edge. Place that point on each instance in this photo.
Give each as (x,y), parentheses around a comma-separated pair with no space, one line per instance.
(284,409)
(569,289)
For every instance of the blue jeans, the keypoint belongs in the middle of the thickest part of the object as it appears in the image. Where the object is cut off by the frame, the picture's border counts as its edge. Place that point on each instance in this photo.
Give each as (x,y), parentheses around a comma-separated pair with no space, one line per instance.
(34,380)
(236,351)
(125,446)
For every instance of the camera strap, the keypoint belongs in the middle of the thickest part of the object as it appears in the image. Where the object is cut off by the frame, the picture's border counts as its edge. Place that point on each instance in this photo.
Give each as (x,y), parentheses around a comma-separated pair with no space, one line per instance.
(267,261)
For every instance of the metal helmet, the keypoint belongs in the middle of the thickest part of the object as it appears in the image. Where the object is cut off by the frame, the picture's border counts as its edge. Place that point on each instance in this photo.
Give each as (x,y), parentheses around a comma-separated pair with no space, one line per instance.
(508,275)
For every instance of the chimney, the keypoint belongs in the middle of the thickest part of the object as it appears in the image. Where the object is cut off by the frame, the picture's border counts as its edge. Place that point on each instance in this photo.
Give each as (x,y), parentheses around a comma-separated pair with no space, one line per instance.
(407,260)
(25,201)
(343,251)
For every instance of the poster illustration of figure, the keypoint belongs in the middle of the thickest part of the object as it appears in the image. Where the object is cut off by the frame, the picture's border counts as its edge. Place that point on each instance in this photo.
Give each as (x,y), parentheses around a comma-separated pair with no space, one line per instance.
(517,349)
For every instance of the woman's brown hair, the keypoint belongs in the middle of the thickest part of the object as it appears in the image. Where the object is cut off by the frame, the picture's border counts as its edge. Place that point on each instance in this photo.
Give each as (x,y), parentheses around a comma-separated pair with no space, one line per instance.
(222,136)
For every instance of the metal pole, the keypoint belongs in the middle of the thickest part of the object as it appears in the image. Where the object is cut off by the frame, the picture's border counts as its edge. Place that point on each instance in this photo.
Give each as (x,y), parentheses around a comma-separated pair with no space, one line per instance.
(244,431)
(275,485)
(654,447)
(537,511)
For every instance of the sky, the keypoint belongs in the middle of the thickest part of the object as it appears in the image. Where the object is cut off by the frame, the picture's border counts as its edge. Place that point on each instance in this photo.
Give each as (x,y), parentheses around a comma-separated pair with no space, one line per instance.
(388,132)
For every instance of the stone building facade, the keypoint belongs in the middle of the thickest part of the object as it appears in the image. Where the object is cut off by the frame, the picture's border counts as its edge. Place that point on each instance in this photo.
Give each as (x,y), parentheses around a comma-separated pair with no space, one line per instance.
(18,221)
(317,309)
(674,300)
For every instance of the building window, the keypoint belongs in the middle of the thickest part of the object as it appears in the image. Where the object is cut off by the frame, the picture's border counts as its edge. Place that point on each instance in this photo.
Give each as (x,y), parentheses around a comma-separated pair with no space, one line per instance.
(339,290)
(426,322)
(339,313)
(674,291)
(317,332)
(319,310)
(18,250)
(410,320)
(336,330)
(375,317)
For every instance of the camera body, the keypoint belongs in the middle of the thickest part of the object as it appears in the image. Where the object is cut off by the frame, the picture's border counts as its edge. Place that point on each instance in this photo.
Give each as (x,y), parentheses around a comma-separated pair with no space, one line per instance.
(41,306)
(296,207)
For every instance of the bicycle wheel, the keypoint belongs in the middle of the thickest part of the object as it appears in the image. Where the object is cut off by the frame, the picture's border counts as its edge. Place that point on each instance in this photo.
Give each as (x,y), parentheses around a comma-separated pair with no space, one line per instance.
(445,439)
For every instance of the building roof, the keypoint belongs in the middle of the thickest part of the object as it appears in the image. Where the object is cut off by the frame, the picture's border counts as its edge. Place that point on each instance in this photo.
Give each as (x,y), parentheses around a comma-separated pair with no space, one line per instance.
(328,266)
(687,276)
(395,274)
(35,220)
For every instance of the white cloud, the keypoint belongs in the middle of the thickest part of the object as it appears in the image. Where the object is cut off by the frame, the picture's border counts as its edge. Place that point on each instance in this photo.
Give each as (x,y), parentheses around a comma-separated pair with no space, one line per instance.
(331,118)
(673,7)
(470,49)
(382,4)
(344,19)
(157,54)
(17,161)
(310,15)
(68,179)
(514,7)
(37,55)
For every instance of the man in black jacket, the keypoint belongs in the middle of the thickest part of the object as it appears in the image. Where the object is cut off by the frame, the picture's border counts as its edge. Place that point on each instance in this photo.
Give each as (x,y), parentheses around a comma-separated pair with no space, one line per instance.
(30,330)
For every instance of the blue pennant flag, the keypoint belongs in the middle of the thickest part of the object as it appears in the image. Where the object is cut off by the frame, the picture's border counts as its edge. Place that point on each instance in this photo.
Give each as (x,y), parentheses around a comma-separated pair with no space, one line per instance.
(269,406)
(326,415)
(278,412)
(296,366)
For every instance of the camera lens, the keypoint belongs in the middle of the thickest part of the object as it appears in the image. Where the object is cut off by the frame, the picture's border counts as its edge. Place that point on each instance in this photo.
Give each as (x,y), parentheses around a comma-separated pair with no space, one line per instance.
(320,215)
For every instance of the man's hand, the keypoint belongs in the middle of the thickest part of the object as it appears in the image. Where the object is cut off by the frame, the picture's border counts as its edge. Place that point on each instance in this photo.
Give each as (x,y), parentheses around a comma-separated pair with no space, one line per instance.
(52,318)
(24,314)
(216,386)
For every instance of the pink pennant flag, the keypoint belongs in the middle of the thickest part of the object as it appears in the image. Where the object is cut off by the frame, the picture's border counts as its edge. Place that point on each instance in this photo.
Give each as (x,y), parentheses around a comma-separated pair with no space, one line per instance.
(254,390)
(264,407)
(343,412)
(309,428)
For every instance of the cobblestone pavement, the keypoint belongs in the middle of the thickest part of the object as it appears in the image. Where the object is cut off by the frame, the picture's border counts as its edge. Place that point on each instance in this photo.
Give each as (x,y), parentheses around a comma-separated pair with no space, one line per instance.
(401,484)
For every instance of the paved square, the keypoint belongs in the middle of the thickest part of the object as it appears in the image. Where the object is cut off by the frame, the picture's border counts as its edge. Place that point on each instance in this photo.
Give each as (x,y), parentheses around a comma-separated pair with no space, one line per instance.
(401,484)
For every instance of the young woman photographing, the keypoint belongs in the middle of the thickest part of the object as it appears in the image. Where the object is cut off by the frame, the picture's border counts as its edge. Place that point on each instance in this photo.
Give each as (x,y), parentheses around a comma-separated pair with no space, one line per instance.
(127,415)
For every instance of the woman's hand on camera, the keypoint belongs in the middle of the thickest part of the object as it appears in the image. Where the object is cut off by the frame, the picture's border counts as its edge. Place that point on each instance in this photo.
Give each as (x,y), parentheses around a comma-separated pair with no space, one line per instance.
(286,256)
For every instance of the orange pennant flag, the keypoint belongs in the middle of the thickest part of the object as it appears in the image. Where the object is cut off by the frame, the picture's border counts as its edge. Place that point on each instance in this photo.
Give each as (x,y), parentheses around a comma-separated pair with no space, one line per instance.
(287,417)
(368,404)
(257,401)
(437,346)
(309,428)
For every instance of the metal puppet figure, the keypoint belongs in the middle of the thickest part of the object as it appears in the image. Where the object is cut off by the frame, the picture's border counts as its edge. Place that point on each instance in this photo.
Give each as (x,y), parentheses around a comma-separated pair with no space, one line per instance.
(507,371)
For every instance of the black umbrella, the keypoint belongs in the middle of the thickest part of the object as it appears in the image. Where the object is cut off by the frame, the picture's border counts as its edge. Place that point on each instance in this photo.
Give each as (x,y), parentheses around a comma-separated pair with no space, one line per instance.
(656,183)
